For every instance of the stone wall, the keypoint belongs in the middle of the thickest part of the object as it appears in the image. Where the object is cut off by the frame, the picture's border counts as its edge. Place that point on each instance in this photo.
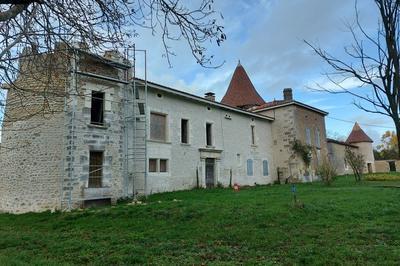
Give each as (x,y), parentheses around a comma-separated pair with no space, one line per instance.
(44,159)
(283,134)
(382,166)
(337,158)
(315,122)
(365,148)
(290,123)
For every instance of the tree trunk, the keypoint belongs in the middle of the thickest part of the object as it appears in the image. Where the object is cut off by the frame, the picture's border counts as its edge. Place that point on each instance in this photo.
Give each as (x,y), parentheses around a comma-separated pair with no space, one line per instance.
(397,124)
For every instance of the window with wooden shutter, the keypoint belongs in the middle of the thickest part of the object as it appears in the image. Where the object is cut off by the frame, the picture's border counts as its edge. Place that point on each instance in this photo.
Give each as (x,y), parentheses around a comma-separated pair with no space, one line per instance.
(158,127)
(250,167)
(265,168)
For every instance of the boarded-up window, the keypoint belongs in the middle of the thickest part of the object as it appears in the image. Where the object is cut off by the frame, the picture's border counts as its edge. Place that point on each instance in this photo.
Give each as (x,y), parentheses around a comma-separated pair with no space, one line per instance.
(158,123)
(95,169)
(209,134)
(317,138)
(249,167)
(152,165)
(184,131)
(97,111)
(265,168)
(253,137)
(308,136)
(163,166)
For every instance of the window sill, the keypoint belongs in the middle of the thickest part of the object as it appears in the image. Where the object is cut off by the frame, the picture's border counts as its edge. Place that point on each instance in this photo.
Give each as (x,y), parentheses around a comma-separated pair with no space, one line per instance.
(98,126)
(185,144)
(158,141)
(254,146)
(210,147)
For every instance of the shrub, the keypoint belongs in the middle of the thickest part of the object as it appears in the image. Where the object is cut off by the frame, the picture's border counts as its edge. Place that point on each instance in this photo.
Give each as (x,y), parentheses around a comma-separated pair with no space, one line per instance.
(303,150)
(382,177)
(356,162)
(327,172)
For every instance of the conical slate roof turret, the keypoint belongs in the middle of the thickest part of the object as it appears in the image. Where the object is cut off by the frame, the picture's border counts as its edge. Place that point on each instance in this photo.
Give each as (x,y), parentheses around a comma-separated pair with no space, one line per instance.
(241,92)
(358,135)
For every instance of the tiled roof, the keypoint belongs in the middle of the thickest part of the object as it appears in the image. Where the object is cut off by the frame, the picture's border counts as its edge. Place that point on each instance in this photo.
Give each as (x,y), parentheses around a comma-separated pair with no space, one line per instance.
(241,92)
(358,135)
(270,104)
(281,103)
(340,142)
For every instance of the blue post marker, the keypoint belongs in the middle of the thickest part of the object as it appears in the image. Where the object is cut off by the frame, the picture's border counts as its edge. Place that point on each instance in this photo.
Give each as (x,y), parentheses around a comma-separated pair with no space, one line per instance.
(294,193)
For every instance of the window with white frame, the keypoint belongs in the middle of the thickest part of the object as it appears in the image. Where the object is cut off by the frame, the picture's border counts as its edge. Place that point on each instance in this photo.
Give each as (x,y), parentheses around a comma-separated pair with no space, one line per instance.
(308,136)
(250,167)
(158,126)
(158,165)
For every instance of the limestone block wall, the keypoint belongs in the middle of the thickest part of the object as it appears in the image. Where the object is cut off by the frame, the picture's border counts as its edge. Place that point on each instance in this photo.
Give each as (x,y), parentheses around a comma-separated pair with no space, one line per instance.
(283,134)
(31,167)
(83,137)
(290,123)
(44,159)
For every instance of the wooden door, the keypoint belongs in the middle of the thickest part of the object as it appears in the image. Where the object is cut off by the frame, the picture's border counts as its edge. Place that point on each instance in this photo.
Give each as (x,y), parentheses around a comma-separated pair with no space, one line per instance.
(210,173)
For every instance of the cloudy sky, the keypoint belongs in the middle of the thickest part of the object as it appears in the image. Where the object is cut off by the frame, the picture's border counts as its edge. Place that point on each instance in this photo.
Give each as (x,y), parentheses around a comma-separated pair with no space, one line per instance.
(267,37)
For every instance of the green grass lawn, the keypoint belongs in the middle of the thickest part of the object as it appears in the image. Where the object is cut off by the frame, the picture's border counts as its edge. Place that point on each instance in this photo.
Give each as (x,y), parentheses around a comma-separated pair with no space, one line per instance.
(345,223)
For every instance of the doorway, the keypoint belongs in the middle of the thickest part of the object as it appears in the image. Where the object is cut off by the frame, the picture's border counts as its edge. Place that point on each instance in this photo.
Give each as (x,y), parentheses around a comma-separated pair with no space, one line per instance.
(369,165)
(392,166)
(210,172)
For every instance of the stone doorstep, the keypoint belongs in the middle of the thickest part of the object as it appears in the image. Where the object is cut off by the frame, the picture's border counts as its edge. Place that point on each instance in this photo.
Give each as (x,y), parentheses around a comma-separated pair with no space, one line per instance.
(97,193)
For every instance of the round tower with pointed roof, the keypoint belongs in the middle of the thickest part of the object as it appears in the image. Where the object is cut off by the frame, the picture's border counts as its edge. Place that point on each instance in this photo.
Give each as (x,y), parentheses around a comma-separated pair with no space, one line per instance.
(360,139)
(241,92)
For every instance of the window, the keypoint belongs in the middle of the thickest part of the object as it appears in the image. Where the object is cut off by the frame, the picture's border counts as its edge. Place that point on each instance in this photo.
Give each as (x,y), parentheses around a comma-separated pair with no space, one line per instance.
(163,166)
(346,166)
(249,167)
(308,136)
(95,169)
(209,134)
(317,138)
(141,108)
(158,130)
(265,168)
(152,165)
(253,139)
(158,165)
(97,111)
(184,131)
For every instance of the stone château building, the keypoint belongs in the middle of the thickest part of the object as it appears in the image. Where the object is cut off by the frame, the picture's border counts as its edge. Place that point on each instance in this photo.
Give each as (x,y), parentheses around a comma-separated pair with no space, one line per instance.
(97,134)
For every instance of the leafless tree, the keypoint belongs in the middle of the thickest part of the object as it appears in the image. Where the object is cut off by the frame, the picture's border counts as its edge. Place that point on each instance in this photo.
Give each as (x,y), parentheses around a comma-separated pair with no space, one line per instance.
(373,60)
(101,25)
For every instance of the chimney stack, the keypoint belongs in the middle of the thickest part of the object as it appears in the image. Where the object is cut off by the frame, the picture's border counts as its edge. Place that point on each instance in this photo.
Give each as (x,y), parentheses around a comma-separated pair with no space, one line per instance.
(210,96)
(287,94)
